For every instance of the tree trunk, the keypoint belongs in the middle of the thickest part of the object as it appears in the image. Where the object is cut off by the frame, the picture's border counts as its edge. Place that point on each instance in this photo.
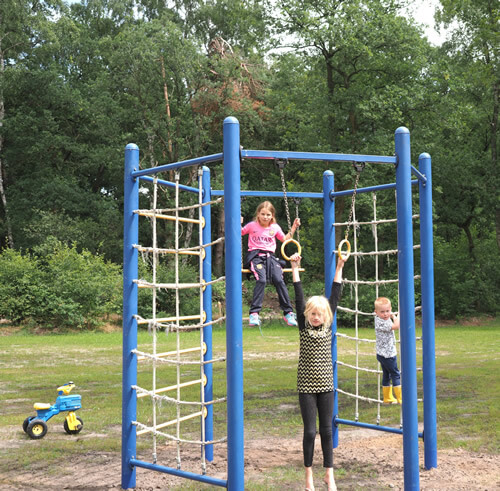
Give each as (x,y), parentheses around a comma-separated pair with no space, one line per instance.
(167,109)
(189,233)
(331,89)
(470,240)
(3,195)
(498,226)
(494,150)
(190,226)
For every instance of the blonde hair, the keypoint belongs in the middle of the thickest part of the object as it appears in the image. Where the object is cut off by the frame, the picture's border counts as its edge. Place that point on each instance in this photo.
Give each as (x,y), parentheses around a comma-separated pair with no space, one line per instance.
(319,302)
(268,206)
(382,301)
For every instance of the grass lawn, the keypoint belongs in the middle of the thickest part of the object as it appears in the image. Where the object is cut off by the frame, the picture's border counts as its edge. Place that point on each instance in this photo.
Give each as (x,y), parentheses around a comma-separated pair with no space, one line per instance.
(33,366)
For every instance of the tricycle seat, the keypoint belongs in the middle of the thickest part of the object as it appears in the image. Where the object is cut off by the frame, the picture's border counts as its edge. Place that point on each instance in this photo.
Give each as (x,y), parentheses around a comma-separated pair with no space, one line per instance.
(41,406)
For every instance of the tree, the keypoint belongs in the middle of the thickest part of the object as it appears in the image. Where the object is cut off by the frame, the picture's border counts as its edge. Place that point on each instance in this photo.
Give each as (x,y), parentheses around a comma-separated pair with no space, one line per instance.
(58,130)
(366,53)
(354,72)
(475,42)
(20,26)
(243,24)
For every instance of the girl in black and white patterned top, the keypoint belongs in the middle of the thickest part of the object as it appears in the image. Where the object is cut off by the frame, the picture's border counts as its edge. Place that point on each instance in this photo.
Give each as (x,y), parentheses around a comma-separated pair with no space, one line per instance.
(315,370)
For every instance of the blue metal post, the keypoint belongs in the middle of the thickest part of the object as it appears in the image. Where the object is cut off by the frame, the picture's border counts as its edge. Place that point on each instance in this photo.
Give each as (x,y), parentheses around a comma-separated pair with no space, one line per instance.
(428,344)
(207,307)
(407,308)
(329,259)
(234,308)
(130,272)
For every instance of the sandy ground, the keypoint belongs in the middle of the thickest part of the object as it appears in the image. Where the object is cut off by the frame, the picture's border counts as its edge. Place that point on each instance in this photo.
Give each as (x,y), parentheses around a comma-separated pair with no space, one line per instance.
(369,459)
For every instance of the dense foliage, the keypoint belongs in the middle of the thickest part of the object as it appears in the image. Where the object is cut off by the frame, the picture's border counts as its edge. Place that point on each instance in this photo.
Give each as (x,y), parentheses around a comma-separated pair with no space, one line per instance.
(57,286)
(80,80)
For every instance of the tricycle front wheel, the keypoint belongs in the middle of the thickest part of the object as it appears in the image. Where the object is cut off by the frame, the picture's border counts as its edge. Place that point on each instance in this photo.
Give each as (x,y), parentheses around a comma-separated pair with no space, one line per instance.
(37,428)
(76,430)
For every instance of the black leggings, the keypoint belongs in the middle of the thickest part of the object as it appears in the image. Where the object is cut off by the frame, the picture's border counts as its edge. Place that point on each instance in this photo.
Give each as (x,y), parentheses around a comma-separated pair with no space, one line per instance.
(322,403)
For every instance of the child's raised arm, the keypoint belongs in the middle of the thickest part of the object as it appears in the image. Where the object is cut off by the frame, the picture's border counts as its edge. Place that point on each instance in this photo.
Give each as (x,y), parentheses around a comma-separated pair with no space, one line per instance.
(295,262)
(295,226)
(338,272)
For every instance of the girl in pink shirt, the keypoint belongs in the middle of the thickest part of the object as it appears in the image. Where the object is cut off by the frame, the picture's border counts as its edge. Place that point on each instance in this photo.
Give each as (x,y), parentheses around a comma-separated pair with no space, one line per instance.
(262,234)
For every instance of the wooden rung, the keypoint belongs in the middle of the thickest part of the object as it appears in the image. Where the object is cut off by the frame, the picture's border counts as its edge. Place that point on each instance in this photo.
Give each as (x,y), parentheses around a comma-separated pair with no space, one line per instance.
(170,423)
(169,251)
(172,286)
(169,217)
(285,270)
(173,319)
(170,353)
(171,387)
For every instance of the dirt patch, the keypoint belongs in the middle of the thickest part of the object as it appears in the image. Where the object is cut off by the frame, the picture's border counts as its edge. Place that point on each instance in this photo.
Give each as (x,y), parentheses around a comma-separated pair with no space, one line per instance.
(364,459)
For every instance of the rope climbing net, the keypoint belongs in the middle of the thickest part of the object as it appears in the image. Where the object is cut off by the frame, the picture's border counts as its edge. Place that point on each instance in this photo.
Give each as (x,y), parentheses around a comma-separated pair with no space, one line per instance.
(358,350)
(172,390)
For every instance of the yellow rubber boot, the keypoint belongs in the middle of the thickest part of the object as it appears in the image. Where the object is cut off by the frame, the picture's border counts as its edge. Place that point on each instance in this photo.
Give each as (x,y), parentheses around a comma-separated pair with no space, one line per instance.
(397,393)
(388,397)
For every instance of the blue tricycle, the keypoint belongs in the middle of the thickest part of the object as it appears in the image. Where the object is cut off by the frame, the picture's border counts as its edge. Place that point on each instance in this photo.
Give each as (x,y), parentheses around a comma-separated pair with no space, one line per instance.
(36,426)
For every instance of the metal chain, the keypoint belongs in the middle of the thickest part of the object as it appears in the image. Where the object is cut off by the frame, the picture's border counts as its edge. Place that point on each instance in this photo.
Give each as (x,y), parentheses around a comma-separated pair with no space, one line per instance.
(353,201)
(282,174)
(297,201)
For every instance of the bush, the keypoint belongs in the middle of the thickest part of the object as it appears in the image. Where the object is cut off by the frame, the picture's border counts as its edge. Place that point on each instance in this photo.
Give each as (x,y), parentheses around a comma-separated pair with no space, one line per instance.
(58,287)
(20,283)
(83,288)
(465,286)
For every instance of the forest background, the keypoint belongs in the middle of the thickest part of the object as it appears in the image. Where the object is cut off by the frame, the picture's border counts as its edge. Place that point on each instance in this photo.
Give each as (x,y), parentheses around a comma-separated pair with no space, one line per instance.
(79,81)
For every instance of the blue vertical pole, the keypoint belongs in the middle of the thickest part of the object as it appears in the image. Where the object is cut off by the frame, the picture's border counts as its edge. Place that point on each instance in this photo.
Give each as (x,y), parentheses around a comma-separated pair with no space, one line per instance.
(234,308)
(207,307)
(428,344)
(130,272)
(407,308)
(329,259)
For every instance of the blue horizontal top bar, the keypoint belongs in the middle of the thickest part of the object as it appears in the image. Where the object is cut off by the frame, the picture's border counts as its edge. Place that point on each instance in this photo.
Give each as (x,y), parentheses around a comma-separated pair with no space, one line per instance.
(268,154)
(177,165)
(329,157)
(280,194)
(170,184)
(271,194)
(292,194)
(368,189)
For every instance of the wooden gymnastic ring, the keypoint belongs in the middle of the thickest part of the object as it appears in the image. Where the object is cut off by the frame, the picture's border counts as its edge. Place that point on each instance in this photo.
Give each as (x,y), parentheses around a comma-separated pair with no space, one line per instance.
(293,241)
(348,253)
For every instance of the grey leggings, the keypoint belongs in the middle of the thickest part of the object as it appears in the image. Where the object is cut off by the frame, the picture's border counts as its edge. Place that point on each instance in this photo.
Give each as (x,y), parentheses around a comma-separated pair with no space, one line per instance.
(322,404)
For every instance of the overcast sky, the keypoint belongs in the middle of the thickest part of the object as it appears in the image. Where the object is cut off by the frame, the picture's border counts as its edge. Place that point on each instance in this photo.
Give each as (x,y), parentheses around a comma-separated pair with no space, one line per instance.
(423,12)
